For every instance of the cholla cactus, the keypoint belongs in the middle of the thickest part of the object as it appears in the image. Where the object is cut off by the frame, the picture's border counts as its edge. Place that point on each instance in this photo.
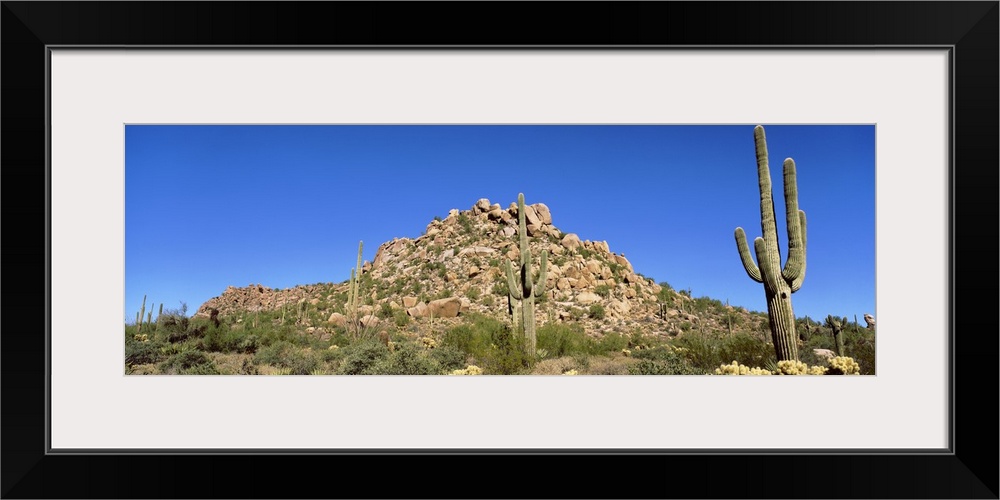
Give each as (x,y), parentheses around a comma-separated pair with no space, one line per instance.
(779,284)
(735,368)
(817,370)
(571,372)
(428,342)
(791,367)
(468,370)
(843,365)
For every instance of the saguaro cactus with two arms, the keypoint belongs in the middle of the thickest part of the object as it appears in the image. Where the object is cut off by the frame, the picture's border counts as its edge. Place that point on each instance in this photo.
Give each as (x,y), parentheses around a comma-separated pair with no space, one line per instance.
(779,284)
(524,289)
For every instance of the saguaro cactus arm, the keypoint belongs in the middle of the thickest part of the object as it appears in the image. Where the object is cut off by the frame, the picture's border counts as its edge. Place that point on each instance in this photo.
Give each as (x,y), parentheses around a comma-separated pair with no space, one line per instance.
(795,265)
(748,264)
(797,280)
(539,288)
(513,285)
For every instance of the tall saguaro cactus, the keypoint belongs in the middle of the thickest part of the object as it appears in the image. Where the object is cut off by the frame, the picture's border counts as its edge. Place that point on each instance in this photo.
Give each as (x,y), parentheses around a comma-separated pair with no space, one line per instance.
(524,289)
(779,284)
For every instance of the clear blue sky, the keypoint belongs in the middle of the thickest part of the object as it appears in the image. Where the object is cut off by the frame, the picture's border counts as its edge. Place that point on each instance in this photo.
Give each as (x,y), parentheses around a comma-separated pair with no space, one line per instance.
(212,206)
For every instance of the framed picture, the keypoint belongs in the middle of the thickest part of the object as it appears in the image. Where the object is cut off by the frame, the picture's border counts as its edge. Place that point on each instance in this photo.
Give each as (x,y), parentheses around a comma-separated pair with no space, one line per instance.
(926,88)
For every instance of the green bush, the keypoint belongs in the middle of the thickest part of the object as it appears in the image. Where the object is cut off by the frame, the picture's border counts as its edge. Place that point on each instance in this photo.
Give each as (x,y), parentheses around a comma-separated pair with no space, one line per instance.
(285,354)
(662,360)
(472,294)
(610,343)
(490,343)
(707,353)
(406,359)
(141,353)
(386,311)
(596,311)
(602,290)
(189,363)
(560,339)
(360,358)
(449,357)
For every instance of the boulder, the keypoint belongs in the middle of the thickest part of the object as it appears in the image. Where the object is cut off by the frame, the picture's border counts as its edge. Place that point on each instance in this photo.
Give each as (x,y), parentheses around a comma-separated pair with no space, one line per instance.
(530,217)
(824,353)
(444,308)
(337,319)
(571,241)
(483,205)
(622,261)
(544,215)
(409,302)
(417,311)
(587,298)
(870,320)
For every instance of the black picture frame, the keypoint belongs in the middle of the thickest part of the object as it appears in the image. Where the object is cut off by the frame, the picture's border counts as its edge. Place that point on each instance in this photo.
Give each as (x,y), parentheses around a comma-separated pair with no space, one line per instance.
(970,29)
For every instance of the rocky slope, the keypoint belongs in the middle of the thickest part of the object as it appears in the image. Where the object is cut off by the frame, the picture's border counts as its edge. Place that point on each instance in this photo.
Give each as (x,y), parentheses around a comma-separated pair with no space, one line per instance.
(457,267)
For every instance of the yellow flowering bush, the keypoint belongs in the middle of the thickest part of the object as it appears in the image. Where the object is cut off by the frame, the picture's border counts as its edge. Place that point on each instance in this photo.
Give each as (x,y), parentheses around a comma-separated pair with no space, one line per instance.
(791,367)
(817,370)
(843,365)
(468,370)
(736,368)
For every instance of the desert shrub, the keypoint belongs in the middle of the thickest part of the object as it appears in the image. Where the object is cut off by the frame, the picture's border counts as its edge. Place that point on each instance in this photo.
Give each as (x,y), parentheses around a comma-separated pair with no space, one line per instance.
(138,352)
(360,358)
(860,345)
(490,343)
(745,350)
(473,294)
(561,339)
(610,342)
(385,311)
(709,353)
(596,311)
(189,363)
(400,318)
(662,360)
(406,359)
(602,290)
(285,354)
(449,357)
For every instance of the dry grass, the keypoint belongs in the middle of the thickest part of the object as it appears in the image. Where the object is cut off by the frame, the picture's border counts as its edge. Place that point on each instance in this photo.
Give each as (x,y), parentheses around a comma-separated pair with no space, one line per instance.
(604,365)
(232,363)
(556,366)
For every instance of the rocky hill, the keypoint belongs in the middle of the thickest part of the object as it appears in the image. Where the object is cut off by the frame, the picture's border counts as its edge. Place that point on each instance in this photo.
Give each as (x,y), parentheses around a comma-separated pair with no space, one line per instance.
(457,267)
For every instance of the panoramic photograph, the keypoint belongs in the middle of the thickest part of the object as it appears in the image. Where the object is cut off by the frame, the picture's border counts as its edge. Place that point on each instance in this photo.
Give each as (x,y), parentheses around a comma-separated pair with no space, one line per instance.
(499,250)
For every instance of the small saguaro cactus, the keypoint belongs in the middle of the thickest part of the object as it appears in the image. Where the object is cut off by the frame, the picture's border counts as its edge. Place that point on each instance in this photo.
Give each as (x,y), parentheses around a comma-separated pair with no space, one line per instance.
(524,289)
(836,325)
(138,317)
(779,284)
